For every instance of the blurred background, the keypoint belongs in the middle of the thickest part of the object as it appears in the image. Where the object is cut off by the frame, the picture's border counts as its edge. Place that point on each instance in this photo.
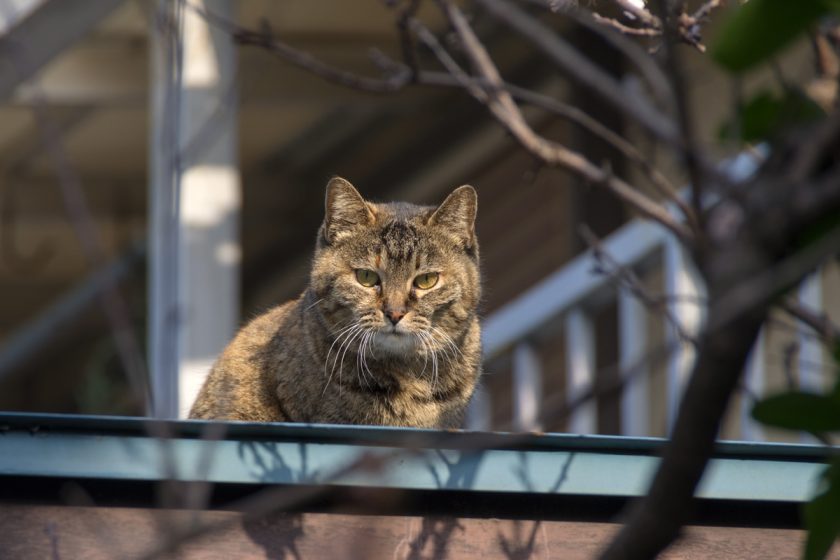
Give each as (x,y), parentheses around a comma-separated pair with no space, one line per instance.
(161,184)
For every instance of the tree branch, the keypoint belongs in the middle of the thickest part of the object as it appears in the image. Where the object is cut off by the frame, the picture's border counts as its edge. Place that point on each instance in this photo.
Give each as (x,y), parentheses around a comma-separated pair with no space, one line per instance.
(747,267)
(820,323)
(583,70)
(505,110)
(330,73)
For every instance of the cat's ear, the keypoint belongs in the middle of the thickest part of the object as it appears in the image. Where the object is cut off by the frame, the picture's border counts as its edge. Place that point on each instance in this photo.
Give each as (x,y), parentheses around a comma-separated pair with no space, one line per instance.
(457,215)
(346,210)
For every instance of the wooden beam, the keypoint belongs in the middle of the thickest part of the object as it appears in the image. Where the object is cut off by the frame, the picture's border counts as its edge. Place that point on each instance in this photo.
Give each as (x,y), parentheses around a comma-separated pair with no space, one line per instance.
(34,531)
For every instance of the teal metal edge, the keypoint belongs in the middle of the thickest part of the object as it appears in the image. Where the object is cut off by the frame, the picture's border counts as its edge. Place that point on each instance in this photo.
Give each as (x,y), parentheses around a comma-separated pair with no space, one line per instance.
(122,449)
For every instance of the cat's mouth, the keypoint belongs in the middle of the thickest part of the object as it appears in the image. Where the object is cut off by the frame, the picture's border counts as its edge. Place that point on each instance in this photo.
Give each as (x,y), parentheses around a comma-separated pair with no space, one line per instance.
(395,340)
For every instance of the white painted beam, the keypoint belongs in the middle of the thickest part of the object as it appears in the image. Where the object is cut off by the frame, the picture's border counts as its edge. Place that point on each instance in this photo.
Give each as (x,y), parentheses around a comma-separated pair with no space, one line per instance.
(574,283)
(35,35)
(632,350)
(810,361)
(480,410)
(527,387)
(580,370)
(196,199)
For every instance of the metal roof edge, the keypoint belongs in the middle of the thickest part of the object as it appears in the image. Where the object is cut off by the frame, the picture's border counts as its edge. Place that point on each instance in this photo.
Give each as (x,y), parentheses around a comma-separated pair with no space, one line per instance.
(122,449)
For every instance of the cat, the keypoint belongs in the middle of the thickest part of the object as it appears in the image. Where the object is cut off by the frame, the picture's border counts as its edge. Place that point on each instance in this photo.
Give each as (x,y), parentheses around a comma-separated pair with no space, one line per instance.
(386,333)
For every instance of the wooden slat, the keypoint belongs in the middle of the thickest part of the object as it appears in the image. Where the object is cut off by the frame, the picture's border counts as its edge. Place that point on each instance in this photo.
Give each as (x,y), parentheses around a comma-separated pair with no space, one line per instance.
(37,532)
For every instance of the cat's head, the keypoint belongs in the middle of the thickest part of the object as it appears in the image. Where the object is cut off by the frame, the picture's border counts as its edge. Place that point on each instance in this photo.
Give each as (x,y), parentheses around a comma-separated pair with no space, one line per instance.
(403,279)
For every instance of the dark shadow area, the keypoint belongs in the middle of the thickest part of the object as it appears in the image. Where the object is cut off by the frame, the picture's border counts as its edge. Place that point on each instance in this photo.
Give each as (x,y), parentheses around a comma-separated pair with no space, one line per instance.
(435,535)
(277,534)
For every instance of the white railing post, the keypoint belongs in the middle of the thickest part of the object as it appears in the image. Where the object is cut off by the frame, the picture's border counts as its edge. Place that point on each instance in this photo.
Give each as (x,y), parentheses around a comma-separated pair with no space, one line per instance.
(527,387)
(755,373)
(809,362)
(810,349)
(632,347)
(479,411)
(195,200)
(686,307)
(580,370)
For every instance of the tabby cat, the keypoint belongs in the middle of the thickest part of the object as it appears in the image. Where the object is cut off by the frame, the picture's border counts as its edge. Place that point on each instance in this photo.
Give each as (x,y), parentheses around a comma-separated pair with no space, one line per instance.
(386,332)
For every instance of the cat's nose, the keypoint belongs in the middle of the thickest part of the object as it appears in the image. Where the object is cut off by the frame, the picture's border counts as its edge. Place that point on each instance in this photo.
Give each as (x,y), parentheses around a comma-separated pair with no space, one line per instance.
(394,315)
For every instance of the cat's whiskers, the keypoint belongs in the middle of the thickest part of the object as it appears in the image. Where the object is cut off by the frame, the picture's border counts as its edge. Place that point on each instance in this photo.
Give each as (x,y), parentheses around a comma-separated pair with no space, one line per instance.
(346,345)
(426,350)
(427,342)
(364,346)
(367,345)
(450,348)
(344,333)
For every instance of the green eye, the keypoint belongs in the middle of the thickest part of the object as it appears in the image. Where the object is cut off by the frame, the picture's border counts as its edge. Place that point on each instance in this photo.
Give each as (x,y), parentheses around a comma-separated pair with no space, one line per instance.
(366,277)
(427,280)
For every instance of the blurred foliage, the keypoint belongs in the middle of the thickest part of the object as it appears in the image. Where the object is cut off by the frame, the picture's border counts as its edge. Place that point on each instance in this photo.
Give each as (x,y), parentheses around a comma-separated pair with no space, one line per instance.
(767,115)
(760,28)
(751,36)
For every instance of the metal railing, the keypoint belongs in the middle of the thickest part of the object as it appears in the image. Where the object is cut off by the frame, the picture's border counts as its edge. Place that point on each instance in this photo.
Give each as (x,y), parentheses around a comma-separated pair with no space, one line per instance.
(568,301)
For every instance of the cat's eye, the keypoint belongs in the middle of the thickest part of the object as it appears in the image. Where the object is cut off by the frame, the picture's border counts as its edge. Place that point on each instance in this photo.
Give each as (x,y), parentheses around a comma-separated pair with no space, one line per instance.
(367,277)
(427,280)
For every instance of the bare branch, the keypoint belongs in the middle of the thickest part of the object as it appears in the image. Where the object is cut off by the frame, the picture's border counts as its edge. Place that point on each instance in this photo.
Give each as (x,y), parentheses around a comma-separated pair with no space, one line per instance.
(706,9)
(628,279)
(399,75)
(691,152)
(744,273)
(626,29)
(503,107)
(821,323)
(641,14)
(686,26)
(628,48)
(330,73)
(583,70)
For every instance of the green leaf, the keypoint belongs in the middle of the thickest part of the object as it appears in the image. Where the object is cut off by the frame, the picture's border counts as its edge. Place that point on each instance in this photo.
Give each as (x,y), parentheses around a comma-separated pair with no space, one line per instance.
(766,115)
(760,28)
(822,516)
(797,410)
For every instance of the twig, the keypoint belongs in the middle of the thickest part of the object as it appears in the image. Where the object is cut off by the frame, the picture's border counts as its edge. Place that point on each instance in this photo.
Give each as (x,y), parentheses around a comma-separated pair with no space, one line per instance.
(743,277)
(406,40)
(571,61)
(626,29)
(628,48)
(503,107)
(628,279)
(821,323)
(690,147)
(310,63)
(641,14)
(400,75)
(706,9)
